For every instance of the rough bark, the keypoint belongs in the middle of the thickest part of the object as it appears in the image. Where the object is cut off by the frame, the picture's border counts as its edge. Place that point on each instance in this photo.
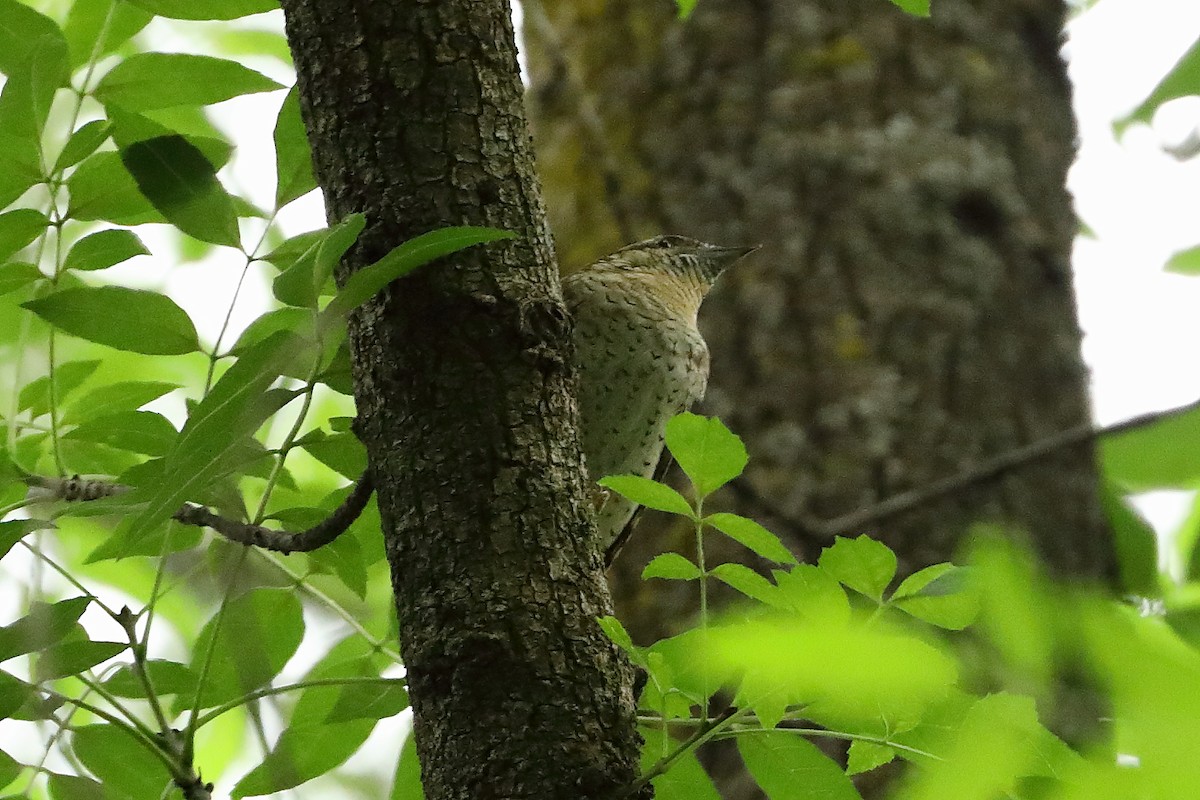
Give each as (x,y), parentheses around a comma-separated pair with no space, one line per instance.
(414,111)
(911,311)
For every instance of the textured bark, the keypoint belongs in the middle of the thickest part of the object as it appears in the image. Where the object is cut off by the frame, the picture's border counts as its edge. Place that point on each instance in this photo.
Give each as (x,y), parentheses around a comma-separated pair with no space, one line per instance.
(911,311)
(464,400)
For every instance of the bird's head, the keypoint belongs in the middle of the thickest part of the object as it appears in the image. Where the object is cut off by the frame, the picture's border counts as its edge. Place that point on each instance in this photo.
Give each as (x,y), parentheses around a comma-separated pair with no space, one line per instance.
(680,256)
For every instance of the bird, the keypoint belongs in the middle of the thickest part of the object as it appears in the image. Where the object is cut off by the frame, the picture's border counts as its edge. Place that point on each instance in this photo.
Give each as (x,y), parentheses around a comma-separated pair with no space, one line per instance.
(639,357)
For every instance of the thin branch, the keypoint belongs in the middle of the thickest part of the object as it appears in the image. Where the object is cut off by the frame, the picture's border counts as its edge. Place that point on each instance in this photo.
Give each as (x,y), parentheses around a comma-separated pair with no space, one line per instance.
(987,470)
(709,729)
(78,489)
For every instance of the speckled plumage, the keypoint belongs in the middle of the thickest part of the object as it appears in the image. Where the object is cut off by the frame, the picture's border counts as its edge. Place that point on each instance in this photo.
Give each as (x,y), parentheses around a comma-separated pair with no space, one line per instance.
(641,359)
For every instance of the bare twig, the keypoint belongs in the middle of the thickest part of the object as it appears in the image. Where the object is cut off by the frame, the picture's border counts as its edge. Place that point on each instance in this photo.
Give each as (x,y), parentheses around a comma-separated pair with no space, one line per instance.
(81,489)
(984,471)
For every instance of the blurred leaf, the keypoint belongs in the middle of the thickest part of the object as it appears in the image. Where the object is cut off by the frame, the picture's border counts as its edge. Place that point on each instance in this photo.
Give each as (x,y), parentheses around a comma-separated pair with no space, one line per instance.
(158,80)
(16,276)
(1181,80)
(209,9)
(182,184)
(918,8)
(1162,454)
(310,276)
(863,564)
(14,530)
(293,161)
(35,396)
(865,756)
(167,677)
(104,249)
(73,657)
(112,398)
(709,454)
(101,188)
(18,228)
(22,33)
(646,492)
(120,761)
(128,319)
(671,566)
(83,143)
(751,535)
(10,768)
(368,281)
(142,432)
(1185,262)
(96,28)
(44,626)
(15,694)
(1136,542)
(684,8)
(789,767)
(406,785)
(257,635)
(685,780)
(36,68)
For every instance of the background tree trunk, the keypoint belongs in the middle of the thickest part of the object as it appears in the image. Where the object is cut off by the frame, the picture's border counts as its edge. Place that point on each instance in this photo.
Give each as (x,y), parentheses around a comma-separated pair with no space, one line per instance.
(414,110)
(911,312)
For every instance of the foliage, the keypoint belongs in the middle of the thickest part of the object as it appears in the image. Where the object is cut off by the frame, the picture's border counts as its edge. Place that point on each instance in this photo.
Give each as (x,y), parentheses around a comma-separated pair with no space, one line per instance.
(141,652)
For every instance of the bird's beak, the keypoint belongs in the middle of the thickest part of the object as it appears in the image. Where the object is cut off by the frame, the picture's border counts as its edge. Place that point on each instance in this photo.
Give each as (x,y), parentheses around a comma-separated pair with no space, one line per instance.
(728,255)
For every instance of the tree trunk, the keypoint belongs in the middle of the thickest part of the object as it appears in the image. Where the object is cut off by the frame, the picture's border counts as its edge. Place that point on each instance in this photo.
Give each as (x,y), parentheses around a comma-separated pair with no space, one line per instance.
(911,312)
(414,111)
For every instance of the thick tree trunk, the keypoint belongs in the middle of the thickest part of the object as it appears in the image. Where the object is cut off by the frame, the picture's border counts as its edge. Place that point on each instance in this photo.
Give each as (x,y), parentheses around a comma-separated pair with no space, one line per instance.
(911,312)
(414,110)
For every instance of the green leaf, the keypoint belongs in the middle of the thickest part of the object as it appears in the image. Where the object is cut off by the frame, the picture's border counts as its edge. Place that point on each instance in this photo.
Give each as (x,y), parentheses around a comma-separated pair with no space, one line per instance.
(73,657)
(293,248)
(746,581)
(651,494)
(14,530)
(104,249)
(33,80)
(671,566)
(15,694)
(82,144)
(1185,262)
(142,432)
(811,593)
(167,677)
(865,756)
(918,8)
(20,227)
(10,768)
(113,398)
(368,281)
(21,34)
(73,787)
(1136,541)
(709,454)
(35,397)
(120,761)
(1182,80)
(160,80)
(293,160)
(1162,454)
(235,407)
(343,453)
(134,320)
(407,783)
(17,276)
(684,8)
(306,280)
(752,535)
(101,188)
(208,9)
(375,701)
(44,626)
(96,28)
(940,595)
(789,767)
(614,630)
(863,564)
(182,184)
(685,780)
(257,635)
